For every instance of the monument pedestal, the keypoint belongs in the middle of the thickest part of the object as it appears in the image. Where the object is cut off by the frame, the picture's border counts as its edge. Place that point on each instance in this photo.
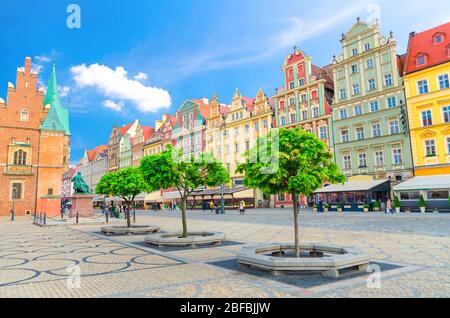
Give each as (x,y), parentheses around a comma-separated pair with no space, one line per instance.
(82,203)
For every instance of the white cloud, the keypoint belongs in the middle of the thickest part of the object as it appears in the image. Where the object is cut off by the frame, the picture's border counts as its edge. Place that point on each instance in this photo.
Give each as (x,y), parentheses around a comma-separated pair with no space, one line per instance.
(63,91)
(115,84)
(112,105)
(42,58)
(140,76)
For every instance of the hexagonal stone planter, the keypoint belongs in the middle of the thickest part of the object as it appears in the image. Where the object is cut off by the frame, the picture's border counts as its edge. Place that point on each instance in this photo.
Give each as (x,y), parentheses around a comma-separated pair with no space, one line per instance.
(328,259)
(194,239)
(133,230)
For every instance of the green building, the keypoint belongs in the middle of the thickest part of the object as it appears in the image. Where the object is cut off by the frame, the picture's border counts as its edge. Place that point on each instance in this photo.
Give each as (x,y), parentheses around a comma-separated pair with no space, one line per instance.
(368,113)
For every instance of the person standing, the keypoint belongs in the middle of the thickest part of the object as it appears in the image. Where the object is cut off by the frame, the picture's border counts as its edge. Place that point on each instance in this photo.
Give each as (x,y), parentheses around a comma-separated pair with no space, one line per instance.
(388,206)
(211,206)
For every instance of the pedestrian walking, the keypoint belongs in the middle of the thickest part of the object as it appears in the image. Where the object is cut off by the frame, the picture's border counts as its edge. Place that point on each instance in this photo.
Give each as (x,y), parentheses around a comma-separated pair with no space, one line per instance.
(211,206)
(242,207)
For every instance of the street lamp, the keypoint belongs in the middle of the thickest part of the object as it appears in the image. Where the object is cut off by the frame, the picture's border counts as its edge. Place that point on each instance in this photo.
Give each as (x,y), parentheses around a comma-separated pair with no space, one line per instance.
(14,193)
(222,199)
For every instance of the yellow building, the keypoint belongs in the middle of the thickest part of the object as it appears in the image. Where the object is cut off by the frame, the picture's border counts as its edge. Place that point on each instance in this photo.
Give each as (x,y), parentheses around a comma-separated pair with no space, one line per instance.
(427,72)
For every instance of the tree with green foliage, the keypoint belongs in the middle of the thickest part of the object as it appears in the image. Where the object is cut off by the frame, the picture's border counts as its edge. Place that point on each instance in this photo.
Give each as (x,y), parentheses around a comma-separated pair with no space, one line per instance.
(125,183)
(422,203)
(397,203)
(168,169)
(290,160)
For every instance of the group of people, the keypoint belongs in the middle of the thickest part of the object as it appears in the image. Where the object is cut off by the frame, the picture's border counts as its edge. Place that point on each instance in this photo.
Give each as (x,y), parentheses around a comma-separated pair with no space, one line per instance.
(211,206)
(114,211)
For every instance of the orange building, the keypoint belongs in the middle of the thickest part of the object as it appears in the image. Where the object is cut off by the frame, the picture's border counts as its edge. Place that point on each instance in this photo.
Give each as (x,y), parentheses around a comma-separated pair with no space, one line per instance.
(34,143)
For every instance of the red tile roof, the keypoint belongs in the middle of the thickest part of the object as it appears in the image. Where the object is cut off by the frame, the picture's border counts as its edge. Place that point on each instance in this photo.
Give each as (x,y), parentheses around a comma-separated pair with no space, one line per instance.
(92,154)
(224,109)
(249,103)
(147,132)
(123,130)
(423,43)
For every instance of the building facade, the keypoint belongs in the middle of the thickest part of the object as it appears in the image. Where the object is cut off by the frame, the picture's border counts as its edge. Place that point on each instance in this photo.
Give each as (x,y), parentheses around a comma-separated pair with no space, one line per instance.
(304,101)
(115,144)
(94,165)
(369,112)
(66,184)
(143,133)
(427,87)
(189,131)
(34,143)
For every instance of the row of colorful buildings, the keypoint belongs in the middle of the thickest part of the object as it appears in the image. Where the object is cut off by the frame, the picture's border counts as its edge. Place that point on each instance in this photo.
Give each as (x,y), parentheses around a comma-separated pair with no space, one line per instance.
(384,115)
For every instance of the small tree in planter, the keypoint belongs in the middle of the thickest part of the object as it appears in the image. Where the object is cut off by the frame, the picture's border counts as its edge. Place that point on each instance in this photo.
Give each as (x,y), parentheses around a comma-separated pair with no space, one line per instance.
(290,160)
(422,204)
(376,206)
(326,207)
(366,207)
(167,169)
(340,207)
(315,208)
(397,204)
(125,183)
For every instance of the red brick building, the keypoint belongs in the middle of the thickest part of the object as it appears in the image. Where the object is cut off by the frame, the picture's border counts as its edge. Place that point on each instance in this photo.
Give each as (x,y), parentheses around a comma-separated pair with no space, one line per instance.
(34,143)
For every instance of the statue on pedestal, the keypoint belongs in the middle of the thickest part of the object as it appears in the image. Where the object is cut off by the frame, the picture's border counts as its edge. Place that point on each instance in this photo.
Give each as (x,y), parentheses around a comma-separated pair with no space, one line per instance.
(79,185)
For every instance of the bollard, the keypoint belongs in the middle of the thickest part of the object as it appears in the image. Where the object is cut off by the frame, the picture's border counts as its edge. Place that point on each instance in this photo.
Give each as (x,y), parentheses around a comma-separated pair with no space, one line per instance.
(40,217)
(77,217)
(45,218)
(134,215)
(34,216)
(107,217)
(12,214)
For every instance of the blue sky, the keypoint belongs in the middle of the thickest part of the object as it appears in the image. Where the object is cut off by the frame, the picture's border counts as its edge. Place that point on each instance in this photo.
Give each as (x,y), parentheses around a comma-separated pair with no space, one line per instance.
(141,58)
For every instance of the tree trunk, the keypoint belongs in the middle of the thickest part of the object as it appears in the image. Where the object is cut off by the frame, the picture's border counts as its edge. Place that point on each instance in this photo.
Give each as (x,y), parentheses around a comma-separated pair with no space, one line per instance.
(127,212)
(183,215)
(297,243)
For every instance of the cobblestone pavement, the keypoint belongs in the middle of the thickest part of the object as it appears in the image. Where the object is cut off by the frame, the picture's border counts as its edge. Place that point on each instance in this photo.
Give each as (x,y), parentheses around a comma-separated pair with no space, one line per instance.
(43,262)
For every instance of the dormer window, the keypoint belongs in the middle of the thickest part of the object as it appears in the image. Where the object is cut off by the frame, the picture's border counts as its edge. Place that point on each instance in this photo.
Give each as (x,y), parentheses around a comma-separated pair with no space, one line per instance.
(420,59)
(438,38)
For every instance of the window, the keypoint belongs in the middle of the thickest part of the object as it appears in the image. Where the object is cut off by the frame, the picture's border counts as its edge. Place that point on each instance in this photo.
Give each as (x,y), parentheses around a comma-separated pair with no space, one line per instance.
(343,113)
(342,93)
(372,85)
(344,135)
(291,85)
(374,106)
(360,133)
(358,110)
(388,80)
(256,125)
(437,38)
(367,47)
(323,132)
(281,197)
(283,120)
(376,130)
(369,63)
(236,147)
(354,68)
(247,128)
(302,81)
(379,158)
(247,145)
(20,158)
(427,119)
(354,52)
(291,101)
(303,98)
(392,102)
(420,60)
(293,119)
(362,158)
(422,87)
(316,111)
(24,115)
(430,148)
(305,114)
(264,122)
(443,81)
(393,127)
(446,113)
(16,191)
(347,162)
(356,89)
(448,145)
(397,157)
(412,195)
(437,195)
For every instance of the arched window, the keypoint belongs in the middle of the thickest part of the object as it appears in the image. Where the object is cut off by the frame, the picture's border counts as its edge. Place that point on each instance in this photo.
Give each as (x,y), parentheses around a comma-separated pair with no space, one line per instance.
(20,158)
(24,115)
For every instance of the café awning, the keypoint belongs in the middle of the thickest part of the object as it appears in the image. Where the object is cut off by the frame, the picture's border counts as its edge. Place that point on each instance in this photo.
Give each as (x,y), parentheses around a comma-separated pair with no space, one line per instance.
(434,182)
(357,186)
